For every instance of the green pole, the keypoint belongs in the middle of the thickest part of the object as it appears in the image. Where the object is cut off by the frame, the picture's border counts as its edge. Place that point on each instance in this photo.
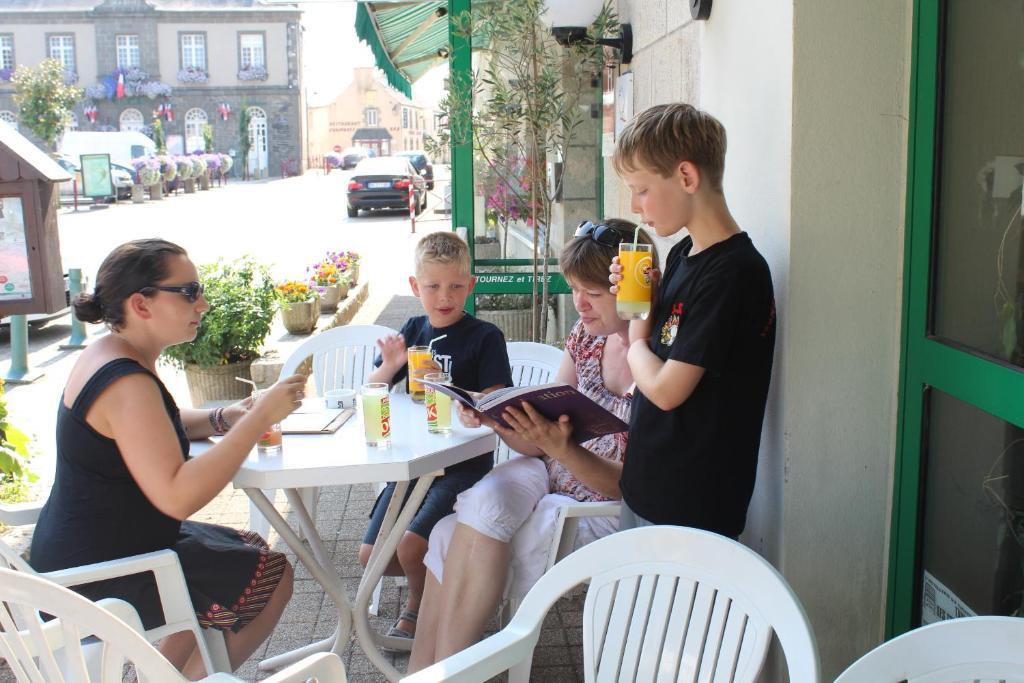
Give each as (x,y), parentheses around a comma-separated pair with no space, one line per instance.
(19,372)
(461,123)
(78,332)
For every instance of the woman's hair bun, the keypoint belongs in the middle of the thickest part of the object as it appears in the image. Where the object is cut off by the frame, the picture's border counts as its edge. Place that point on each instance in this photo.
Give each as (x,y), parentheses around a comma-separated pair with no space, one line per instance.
(87,308)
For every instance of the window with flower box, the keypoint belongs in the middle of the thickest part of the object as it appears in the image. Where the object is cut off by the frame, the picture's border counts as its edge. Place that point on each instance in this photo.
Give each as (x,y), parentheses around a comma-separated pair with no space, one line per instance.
(252,54)
(193,51)
(127,50)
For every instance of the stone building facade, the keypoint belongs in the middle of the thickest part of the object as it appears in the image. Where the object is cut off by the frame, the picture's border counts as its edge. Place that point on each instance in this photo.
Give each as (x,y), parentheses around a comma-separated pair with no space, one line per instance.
(188,63)
(370,113)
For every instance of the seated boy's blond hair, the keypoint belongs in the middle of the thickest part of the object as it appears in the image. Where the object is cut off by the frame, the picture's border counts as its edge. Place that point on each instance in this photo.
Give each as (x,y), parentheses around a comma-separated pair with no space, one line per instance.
(443,248)
(664,136)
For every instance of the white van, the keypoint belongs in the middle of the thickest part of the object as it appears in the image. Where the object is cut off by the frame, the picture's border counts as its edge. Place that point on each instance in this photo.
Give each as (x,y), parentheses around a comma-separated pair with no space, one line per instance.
(122,146)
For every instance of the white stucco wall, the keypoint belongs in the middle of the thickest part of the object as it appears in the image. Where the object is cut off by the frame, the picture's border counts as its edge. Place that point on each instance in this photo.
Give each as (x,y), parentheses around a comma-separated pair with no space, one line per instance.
(814,98)
(851,64)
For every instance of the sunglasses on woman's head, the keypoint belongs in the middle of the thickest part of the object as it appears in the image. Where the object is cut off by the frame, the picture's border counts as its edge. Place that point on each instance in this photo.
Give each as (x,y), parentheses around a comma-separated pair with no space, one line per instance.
(601,233)
(191,291)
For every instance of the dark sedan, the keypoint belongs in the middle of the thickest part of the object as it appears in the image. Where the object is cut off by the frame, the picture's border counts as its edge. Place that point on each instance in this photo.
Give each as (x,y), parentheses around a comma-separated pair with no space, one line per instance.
(383,183)
(421,162)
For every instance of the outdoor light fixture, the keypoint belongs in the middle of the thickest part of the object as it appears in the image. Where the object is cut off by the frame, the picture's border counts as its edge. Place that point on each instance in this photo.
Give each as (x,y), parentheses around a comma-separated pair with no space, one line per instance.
(569,20)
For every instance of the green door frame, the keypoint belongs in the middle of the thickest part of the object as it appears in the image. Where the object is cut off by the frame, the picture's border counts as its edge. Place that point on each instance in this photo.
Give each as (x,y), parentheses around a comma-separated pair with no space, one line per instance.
(463,180)
(928,361)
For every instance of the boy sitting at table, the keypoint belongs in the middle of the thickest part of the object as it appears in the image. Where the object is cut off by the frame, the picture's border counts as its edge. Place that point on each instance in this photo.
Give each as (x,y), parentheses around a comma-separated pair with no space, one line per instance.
(473,353)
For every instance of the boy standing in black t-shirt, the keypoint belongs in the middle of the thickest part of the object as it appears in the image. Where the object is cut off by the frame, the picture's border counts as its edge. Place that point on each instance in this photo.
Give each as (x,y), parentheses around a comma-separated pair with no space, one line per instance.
(473,352)
(702,360)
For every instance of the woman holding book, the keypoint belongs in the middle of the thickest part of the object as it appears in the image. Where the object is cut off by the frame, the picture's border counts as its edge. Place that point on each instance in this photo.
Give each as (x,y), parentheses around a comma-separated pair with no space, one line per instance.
(505,520)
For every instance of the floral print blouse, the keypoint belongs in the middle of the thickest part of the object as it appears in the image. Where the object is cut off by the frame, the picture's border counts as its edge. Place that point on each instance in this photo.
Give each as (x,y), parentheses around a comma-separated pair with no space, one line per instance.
(586,351)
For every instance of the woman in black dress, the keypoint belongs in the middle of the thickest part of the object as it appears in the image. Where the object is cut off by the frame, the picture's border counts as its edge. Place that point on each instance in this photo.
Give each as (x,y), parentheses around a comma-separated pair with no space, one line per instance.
(125,484)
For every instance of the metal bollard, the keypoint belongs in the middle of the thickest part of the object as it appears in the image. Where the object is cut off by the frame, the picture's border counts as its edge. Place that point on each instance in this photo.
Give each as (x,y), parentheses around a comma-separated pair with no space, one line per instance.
(78,331)
(412,206)
(19,372)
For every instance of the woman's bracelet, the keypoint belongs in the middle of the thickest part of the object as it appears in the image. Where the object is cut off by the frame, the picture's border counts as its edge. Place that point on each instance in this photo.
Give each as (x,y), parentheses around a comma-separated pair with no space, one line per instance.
(225,425)
(217,421)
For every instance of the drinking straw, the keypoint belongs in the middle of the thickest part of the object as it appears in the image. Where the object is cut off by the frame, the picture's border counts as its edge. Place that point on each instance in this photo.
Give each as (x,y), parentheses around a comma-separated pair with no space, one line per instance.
(249,381)
(431,343)
(636,236)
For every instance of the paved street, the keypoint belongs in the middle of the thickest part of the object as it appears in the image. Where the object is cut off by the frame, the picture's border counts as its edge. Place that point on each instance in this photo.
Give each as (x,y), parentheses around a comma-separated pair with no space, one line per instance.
(289,224)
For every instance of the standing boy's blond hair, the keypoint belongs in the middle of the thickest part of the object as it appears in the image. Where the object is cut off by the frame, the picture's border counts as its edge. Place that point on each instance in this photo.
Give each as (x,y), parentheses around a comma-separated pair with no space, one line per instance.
(664,136)
(443,248)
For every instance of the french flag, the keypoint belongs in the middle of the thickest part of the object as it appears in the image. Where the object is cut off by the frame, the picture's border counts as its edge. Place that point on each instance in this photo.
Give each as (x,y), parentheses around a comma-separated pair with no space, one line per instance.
(120,86)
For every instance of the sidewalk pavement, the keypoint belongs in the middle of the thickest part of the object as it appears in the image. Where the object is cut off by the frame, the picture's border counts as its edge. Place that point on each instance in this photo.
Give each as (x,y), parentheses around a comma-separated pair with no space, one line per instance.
(342,518)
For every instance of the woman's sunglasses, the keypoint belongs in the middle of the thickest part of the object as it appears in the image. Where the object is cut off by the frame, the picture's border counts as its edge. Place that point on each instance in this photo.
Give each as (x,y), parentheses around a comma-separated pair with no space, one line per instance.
(601,233)
(191,291)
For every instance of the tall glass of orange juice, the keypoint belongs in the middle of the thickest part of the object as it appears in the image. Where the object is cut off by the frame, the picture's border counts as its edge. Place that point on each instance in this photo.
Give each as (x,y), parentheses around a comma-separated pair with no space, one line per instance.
(633,302)
(421,362)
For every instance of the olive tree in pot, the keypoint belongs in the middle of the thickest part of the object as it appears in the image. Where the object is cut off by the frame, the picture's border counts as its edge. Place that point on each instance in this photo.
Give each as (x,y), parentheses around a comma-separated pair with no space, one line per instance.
(242,306)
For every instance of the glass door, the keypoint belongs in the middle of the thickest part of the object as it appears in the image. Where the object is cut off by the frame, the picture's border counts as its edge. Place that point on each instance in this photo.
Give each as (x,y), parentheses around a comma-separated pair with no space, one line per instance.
(958,508)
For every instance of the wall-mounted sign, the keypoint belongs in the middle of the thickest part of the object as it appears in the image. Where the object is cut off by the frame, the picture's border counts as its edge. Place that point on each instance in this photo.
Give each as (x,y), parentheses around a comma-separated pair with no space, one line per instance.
(96,180)
(15,275)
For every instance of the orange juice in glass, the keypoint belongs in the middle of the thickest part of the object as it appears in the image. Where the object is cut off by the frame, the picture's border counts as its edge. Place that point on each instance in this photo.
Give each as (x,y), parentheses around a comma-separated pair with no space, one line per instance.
(421,362)
(633,302)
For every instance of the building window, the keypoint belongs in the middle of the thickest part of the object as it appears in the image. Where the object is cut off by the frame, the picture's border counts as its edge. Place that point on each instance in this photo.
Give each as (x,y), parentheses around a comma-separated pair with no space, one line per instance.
(127,51)
(405,117)
(9,118)
(131,120)
(62,48)
(371,117)
(7,52)
(251,51)
(193,51)
(371,98)
(195,121)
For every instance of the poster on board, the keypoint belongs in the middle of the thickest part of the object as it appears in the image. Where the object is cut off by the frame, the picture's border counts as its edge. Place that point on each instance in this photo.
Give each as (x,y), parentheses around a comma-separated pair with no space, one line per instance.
(15,277)
(96,180)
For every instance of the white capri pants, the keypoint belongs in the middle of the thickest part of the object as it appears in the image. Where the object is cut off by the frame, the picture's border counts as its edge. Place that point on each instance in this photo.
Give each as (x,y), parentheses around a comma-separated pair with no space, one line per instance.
(513,504)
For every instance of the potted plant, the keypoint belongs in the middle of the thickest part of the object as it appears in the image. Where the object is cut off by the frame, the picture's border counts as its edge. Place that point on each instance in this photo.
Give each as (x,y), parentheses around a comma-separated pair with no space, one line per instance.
(300,306)
(186,173)
(199,171)
(348,263)
(328,282)
(242,305)
(14,455)
(226,162)
(147,171)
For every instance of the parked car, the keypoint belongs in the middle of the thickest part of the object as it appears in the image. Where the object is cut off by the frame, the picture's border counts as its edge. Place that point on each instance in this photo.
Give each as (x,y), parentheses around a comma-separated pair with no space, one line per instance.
(351,157)
(421,162)
(383,183)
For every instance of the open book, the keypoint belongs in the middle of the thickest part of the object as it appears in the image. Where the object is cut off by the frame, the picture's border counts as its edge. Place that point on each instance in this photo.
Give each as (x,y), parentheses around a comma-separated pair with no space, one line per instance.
(589,420)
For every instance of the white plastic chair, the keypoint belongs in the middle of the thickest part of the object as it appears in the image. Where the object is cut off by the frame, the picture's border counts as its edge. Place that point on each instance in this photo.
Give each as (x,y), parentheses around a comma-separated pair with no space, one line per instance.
(534,364)
(342,359)
(664,603)
(531,364)
(170,583)
(54,651)
(968,649)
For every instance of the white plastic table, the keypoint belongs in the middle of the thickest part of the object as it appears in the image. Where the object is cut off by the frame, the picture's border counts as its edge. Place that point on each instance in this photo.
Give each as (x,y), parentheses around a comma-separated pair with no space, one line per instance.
(343,458)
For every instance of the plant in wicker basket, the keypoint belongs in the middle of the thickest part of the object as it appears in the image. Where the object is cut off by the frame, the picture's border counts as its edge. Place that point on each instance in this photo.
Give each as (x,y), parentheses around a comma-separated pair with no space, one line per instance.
(243,302)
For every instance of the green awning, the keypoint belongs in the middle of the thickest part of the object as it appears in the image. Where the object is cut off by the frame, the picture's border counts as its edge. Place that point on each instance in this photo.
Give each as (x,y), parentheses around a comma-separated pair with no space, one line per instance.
(407,38)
